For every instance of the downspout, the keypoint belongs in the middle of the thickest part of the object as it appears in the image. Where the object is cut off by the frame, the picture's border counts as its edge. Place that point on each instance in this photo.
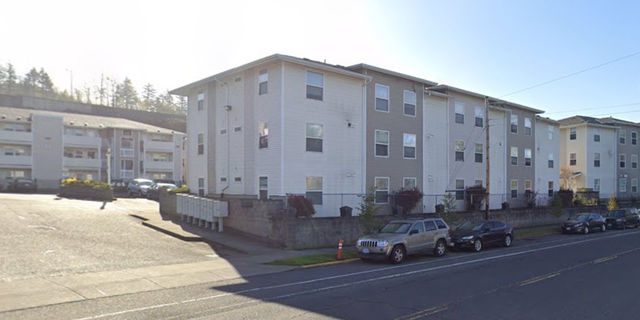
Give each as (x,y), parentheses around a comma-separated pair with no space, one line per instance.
(282,144)
(364,134)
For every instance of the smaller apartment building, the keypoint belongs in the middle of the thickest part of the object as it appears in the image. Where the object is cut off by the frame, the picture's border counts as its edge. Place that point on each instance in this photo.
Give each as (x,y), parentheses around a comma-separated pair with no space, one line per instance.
(546,159)
(589,155)
(628,171)
(49,146)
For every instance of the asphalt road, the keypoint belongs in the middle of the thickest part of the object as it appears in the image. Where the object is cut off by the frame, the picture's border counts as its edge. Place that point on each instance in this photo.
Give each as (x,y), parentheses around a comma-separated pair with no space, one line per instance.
(41,236)
(552,277)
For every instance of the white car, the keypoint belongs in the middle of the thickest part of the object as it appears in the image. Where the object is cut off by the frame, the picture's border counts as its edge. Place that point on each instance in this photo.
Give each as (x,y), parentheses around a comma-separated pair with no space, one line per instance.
(139,187)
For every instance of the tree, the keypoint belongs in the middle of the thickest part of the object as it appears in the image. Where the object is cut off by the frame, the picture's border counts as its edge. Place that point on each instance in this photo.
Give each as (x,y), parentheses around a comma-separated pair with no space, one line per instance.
(44,83)
(31,80)
(127,95)
(181,105)
(566,178)
(408,199)
(613,203)
(368,212)
(556,206)
(12,77)
(3,77)
(450,214)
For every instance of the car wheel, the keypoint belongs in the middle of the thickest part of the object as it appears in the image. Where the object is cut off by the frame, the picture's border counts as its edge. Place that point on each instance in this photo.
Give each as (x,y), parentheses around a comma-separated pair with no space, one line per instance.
(477,245)
(397,254)
(508,241)
(603,228)
(586,230)
(441,248)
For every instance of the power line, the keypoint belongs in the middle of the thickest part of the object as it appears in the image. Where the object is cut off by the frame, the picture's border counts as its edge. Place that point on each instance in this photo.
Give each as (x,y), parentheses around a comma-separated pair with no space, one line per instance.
(614,106)
(572,74)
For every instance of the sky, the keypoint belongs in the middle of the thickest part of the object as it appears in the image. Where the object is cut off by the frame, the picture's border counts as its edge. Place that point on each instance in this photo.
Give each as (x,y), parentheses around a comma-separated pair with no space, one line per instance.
(492,47)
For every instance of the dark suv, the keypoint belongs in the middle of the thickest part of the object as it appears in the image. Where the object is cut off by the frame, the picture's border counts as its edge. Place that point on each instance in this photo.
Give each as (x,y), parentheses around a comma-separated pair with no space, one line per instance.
(622,218)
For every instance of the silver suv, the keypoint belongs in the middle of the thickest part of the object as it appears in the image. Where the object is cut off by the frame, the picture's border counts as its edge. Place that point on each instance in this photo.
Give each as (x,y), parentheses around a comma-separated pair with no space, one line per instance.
(399,238)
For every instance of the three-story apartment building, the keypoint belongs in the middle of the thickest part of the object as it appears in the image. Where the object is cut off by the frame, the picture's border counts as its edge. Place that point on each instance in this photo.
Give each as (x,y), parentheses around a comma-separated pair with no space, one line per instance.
(546,159)
(49,146)
(628,171)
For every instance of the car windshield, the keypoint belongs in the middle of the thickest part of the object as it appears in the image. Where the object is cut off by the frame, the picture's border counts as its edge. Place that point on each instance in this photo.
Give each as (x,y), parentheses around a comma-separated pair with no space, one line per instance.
(616,213)
(396,227)
(24,180)
(146,183)
(580,217)
(168,185)
(471,225)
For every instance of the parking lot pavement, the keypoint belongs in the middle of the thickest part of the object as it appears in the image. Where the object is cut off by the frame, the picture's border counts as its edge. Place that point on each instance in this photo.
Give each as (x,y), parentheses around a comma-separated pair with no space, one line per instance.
(41,235)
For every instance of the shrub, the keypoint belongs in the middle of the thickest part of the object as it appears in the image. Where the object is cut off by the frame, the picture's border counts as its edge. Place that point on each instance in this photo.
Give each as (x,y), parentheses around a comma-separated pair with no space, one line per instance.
(474,196)
(450,214)
(368,212)
(567,196)
(408,199)
(613,203)
(88,184)
(303,205)
(182,189)
(556,206)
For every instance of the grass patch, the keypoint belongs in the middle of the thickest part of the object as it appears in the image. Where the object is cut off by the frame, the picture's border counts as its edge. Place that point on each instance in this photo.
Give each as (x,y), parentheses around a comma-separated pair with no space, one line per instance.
(539,232)
(314,259)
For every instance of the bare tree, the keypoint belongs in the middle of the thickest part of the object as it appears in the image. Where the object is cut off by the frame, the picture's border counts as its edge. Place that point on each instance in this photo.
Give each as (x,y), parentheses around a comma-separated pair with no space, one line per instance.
(567,178)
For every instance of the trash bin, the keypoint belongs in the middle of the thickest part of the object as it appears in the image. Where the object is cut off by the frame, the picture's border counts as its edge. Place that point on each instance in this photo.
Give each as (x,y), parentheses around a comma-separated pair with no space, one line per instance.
(345,211)
(439,208)
(505,205)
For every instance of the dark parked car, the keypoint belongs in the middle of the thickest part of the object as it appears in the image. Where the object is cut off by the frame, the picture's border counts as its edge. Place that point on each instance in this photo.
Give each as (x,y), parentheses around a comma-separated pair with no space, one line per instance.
(622,218)
(22,185)
(119,185)
(478,234)
(584,223)
(154,191)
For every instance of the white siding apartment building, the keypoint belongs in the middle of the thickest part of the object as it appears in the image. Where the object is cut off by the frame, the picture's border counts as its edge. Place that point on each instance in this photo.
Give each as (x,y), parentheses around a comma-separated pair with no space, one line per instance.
(49,146)
(276,126)
(547,155)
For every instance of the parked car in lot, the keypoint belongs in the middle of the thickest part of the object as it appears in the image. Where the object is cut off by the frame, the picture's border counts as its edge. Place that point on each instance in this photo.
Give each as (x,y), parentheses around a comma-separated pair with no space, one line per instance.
(622,218)
(399,238)
(154,191)
(22,185)
(584,223)
(119,185)
(139,187)
(478,234)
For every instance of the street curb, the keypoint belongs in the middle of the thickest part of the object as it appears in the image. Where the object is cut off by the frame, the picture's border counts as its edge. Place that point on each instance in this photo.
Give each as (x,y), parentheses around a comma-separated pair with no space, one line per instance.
(173,234)
(331,263)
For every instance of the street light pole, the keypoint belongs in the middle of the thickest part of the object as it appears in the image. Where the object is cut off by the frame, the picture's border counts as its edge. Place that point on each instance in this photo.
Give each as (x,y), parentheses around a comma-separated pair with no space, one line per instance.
(109,166)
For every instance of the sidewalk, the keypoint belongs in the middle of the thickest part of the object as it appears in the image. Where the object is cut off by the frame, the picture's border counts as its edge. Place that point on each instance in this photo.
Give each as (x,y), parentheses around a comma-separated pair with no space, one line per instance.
(248,260)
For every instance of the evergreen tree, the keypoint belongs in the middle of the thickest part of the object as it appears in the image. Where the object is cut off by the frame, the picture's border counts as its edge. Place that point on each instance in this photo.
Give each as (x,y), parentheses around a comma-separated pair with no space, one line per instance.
(3,78)
(44,82)
(12,77)
(127,95)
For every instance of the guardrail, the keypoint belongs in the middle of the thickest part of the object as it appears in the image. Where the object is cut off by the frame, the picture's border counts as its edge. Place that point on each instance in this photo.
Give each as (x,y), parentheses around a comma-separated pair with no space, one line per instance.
(203,212)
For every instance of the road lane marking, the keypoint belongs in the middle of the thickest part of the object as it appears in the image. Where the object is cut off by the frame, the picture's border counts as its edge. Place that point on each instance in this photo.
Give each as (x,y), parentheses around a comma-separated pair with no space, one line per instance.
(356,282)
(423,313)
(538,279)
(605,259)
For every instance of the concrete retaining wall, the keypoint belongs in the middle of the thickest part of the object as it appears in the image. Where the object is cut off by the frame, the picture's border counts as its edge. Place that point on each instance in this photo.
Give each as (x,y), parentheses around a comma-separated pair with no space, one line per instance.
(271,221)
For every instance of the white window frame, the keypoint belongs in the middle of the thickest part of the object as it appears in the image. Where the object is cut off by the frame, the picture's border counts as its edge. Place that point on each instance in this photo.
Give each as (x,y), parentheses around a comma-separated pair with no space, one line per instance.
(514,124)
(622,184)
(550,161)
(379,88)
(511,189)
(321,86)
(201,187)
(550,131)
(263,190)
(596,133)
(407,145)
(634,161)
(263,135)
(622,137)
(573,133)
(263,78)
(550,189)
(527,151)
(573,159)
(529,187)
(512,156)
(200,141)
(458,110)
(596,184)
(458,149)
(380,190)
(404,182)
(321,138)
(479,147)
(376,143)
(313,191)
(528,130)
(479,117)
(408,102)
(634,138)
(597,162)
(622,161)
(634,185)
(459,189)
(200,100)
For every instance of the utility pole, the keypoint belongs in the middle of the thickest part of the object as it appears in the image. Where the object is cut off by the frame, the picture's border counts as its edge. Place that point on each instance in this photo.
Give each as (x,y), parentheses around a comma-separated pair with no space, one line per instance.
(487,156)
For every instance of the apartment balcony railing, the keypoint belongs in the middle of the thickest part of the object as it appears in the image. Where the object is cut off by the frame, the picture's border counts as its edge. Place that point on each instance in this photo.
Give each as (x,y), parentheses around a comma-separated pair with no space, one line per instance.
(126,174)
(159,146)
(16,137)
(158,165)
(83,141)
(82,163)
(126,153)
(21,161)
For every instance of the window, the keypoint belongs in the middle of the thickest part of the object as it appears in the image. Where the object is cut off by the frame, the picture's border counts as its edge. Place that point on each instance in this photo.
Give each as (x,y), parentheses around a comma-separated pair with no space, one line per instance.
(263,131)
(126,169)
(315,85)
(459,108)
(572,159)
(78,154)
(479,152)
(478,183)
(409,103)
(634,161)
(124,133)
(479,117)
(314,137)
(314,190)
(237,129)
(263,82)
(572,133)
(200,100)
(623,185)
(418,226)
(459,189)
(382,143)
(200,143)
(409,143)
(440,224)
(409,183)
(237,179)
(514,123)
(623,161)
(263,185)
(634,185)
(201,187)
(514,156)
(596,160)
(223,131)
(527,126)
(223,179)
(634,138)
(382,98)
(126,147)
(459,150)
(527,186)
(514,188)
(527,157)
(382,190)
(596,184)
(429,225)
(550,161)
(596,135)
(92,155)
(550,131)
(550,189)
(623,137)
